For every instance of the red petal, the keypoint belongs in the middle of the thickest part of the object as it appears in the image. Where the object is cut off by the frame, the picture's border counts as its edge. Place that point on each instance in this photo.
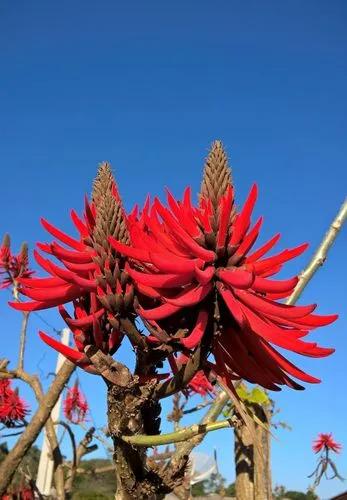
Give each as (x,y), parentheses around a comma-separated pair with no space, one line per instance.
(71,256)
(265,306)
(225,206)
(243,219)
(236,277)
(79,224)
(167,263)
(60,293)
(160,312)
(41,282)
(205,276)
(160,280)
(191,296)
(133,253)
(263,265)
(232,304)
(86,320)
(65,238)
(268,286)
(194,247)
(263,249)
(197,333)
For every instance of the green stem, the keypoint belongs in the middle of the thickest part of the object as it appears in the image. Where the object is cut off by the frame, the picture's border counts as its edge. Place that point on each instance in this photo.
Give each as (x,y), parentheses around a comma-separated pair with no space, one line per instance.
(178,436)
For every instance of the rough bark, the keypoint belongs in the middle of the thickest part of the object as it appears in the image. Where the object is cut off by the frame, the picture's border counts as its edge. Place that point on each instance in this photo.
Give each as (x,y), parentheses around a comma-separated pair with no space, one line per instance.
(244,464)
(126,416)
(262,466)
(253,469)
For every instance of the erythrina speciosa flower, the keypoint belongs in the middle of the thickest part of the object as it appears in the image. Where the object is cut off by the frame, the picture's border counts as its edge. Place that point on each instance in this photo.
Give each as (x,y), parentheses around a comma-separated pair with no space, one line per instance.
(23,493)
(75,405)
(90,274)
(212,290)
(13,267)
(13,409)
(326,442)
(200,384)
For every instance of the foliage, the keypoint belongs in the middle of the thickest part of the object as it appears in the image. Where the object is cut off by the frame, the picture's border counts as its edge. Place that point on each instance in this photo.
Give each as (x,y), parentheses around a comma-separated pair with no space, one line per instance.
(29,464)
(256,395)
(212,485)
(94,486)
(281,493)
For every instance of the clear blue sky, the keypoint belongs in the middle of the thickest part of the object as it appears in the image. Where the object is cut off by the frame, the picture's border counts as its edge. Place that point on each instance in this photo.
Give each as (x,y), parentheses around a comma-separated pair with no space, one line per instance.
(148,86)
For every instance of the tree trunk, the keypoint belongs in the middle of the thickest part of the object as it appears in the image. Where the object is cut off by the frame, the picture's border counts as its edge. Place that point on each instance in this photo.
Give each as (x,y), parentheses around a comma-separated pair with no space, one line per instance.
(262,466)
(130,411)
(253,468)
(244,464)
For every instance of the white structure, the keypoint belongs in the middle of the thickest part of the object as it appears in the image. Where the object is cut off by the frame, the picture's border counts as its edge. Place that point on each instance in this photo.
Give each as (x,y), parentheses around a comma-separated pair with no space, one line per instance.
(202,466)
(45,471)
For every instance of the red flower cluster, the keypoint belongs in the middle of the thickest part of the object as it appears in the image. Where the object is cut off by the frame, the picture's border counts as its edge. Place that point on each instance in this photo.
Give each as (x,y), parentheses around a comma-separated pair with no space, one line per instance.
(13,409)
(326,442)
(188,257)
(75,405)
(12,266)
(200,384)
(199,284)
(90,275)
(25,493)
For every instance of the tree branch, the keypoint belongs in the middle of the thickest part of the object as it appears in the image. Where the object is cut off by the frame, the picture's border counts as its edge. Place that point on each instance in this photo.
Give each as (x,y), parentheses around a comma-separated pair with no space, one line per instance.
(320,255)
(22,340)
(183,451)
(179,435)
(82,449)
(57,458)
(34,427)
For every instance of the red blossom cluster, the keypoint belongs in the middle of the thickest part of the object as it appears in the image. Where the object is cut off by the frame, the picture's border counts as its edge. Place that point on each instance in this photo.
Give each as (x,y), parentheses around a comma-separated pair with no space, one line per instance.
(13,266)
(25,493)
(75,405)
(326,442)
(189,271)
(91,275)
(13,409)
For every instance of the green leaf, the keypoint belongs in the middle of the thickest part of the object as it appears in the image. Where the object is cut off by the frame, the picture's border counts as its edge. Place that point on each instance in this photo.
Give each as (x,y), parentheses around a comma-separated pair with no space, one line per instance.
(242,392)
(258,396)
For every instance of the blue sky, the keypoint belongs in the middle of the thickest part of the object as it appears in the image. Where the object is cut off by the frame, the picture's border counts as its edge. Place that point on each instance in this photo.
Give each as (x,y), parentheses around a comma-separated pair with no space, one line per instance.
(148,86)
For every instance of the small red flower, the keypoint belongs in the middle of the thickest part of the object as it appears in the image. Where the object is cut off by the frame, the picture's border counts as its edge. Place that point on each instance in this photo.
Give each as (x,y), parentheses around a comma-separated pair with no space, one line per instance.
(5,388)
(199,384)
(13,267)
(13,409)
(75,405)
(326,442)
(25,493)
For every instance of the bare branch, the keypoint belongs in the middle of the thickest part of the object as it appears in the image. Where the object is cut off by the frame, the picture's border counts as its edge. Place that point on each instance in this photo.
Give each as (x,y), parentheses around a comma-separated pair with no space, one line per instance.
(320,255)
(26,440)
(82,449)
(22,340)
